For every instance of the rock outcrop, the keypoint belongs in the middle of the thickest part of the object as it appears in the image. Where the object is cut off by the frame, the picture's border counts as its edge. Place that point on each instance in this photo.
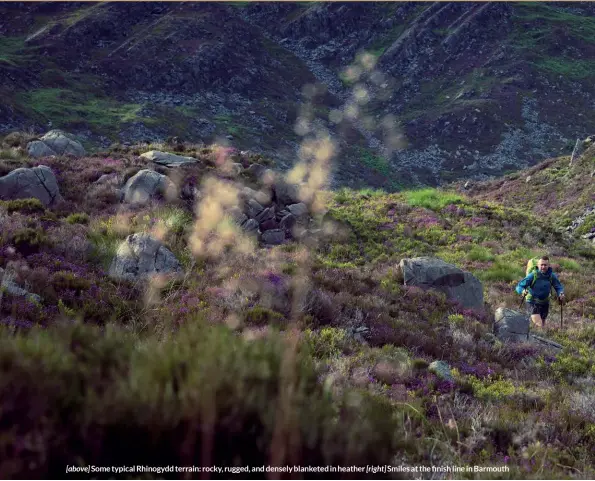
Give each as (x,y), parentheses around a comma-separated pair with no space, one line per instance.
(141,256)
(434,273)
(511,325)
(38,182)
(55,142)
(168,159)
(146,185)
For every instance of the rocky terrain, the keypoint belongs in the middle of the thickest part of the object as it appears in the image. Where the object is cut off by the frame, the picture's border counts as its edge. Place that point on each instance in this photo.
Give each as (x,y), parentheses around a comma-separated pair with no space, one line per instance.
(192,305)
(413,93)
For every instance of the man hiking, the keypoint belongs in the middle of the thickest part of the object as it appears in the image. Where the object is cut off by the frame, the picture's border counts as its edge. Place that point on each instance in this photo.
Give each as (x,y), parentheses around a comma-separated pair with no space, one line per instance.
(537,286)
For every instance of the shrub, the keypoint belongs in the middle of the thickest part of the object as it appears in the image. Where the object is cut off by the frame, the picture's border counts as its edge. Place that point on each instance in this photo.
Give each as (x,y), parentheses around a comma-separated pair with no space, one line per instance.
(78,218)
(24,206)
(28,240)
(106,401)
(480,253)
(327,342)
(261,316)
(432,198)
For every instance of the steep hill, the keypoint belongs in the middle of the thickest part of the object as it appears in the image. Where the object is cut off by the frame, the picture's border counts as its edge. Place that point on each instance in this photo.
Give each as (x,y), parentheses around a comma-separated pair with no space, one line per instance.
(308,353)
(448,90)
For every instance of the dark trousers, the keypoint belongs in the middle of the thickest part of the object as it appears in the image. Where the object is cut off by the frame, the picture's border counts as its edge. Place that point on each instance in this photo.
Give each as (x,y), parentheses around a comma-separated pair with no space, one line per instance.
(541,309)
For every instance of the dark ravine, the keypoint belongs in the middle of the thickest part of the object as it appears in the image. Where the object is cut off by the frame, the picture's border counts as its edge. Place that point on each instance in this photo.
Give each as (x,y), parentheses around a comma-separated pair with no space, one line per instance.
(475,89)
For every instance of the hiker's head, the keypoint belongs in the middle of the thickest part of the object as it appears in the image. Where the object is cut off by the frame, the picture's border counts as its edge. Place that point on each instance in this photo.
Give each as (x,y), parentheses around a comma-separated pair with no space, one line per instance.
(544,264)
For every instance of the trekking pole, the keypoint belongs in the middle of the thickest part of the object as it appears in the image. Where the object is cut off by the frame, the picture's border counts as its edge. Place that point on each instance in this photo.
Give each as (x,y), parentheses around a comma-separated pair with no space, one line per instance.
(523,299)
(561,316)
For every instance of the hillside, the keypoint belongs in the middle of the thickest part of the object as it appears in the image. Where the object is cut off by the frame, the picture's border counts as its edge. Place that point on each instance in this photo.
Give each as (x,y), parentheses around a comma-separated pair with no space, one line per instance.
(447,90)
(308,352)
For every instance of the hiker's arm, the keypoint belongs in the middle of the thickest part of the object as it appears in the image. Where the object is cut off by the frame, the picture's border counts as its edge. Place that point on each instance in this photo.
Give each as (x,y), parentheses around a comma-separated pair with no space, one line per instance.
(557,285)
(524,284)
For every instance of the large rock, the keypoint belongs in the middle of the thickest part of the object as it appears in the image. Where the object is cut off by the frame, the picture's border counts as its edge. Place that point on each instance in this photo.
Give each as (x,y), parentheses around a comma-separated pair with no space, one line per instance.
(168,159)
(37,149)
(511,325)
(286,194)
(145,185)
(38,182)
(140,256)
(57,143)
(430,272)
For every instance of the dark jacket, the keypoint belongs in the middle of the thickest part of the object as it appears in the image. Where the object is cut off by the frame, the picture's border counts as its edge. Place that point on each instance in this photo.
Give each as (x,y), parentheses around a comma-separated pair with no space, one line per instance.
(540,292)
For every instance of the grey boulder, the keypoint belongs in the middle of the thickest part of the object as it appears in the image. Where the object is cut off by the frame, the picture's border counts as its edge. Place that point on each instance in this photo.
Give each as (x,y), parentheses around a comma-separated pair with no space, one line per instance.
(511,325)
(145,185)
(434,273)
(140,256)
(23,183)
(37,149)
(168,159)
(57,142)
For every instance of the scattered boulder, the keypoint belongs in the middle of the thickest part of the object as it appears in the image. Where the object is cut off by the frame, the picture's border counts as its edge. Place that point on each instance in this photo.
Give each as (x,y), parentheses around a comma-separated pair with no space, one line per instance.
(168,159)
(511,325)
(299,210)
(38,149)
(273,236)
(442,370)
(56,142)
(286,194)
(10,287)
(140,256)
(145,185)
(434,273)
(38,182)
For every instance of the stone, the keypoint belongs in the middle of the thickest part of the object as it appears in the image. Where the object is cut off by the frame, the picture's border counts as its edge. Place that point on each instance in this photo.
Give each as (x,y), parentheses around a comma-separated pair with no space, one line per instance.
(441,369)
(256,170)
(10,287)
(274,236)
(287,222)
(286,194)
(434,273)
(253,208)
(266,214)
(145,185)
(250,226)
(237,215)
(38,182)
(37,149)
(141,256)
(168,159)
(62,143)
(299,210)
(269,224)
(511,325)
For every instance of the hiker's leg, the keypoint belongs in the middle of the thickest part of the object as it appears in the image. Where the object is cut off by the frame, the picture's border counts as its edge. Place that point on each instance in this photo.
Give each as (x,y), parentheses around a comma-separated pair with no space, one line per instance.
(535,313)
(536,319)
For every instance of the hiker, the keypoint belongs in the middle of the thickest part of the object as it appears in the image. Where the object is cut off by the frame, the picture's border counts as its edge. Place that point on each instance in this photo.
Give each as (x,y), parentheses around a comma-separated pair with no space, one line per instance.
(537,286)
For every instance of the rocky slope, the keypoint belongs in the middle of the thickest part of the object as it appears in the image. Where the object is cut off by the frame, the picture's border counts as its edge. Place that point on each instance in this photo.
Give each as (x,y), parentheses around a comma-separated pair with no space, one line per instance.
(450,90)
